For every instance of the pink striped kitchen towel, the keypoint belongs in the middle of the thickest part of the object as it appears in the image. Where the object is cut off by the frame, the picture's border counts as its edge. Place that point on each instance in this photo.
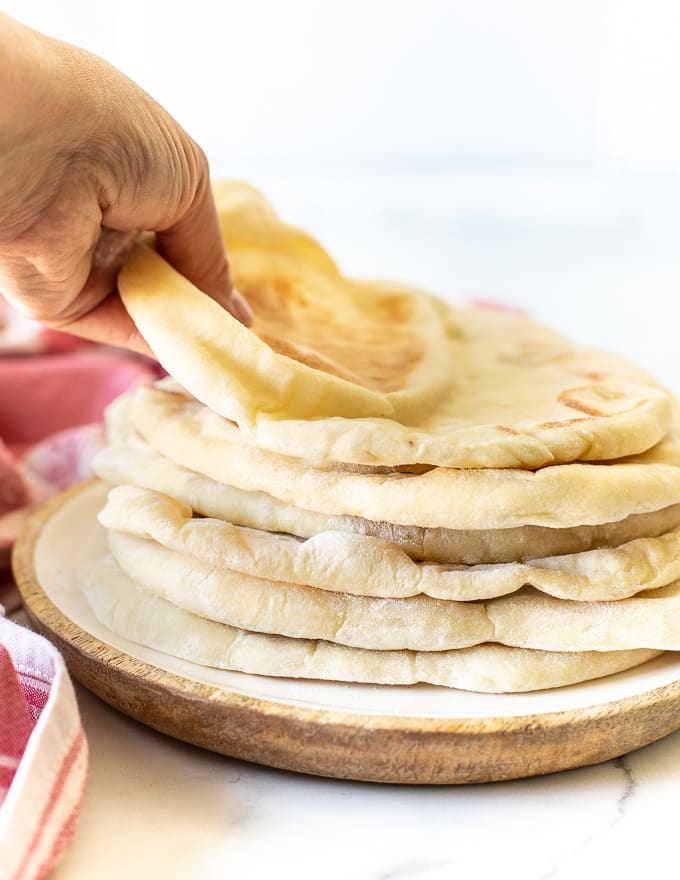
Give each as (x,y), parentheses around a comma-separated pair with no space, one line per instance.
(53,391)
(43,755)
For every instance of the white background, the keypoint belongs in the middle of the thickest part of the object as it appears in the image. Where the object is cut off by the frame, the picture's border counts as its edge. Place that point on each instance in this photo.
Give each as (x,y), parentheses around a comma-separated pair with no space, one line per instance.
(525,150)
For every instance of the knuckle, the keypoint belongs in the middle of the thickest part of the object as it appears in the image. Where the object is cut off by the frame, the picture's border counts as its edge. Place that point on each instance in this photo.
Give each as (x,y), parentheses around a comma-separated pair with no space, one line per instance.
(199,172)
(201,159)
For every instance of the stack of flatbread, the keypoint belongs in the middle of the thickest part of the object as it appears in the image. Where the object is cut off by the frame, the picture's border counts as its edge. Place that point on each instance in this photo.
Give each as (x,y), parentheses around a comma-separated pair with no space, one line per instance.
(369,485)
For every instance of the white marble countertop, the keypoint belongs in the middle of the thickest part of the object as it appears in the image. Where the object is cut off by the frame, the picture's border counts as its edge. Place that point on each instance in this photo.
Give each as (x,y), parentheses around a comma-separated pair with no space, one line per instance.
(158,808)
(596,256)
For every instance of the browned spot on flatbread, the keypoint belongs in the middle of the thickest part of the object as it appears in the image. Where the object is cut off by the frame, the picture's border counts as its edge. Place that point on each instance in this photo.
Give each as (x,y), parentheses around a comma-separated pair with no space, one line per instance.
(382,469)
(305,356)
(581,407)
(573,398)
(504,429)
(393,308)
(418,469)
(561,424)
(371,346)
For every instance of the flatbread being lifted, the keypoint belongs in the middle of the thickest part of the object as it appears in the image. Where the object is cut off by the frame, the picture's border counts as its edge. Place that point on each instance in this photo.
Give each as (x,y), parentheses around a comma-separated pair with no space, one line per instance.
(338,370)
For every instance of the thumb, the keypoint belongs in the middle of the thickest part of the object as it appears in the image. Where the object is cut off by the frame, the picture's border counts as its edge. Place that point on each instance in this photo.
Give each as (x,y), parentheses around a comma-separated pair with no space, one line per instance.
(194,246)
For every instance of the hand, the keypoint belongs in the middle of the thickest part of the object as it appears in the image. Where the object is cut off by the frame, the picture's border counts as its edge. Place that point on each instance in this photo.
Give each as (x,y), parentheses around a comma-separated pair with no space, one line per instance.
(87,161)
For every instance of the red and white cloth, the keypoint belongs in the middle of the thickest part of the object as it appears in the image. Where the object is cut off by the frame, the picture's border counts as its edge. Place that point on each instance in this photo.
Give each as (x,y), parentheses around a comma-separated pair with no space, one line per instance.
(43,755)
(53,391)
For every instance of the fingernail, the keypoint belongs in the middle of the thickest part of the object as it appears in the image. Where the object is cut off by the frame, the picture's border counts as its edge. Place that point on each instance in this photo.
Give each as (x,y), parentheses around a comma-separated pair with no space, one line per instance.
(240,308)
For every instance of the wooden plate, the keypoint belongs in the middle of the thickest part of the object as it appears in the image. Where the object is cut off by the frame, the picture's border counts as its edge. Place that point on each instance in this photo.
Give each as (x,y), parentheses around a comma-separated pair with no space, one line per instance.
(420,734)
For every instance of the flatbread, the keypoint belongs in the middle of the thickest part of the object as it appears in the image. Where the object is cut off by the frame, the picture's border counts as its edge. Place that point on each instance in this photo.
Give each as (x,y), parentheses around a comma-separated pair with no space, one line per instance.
(130,460)
(298,360)
(560,496)
(134,613)
(254,603)
(649,619)
(380,374)
(527,619)
(366,566)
